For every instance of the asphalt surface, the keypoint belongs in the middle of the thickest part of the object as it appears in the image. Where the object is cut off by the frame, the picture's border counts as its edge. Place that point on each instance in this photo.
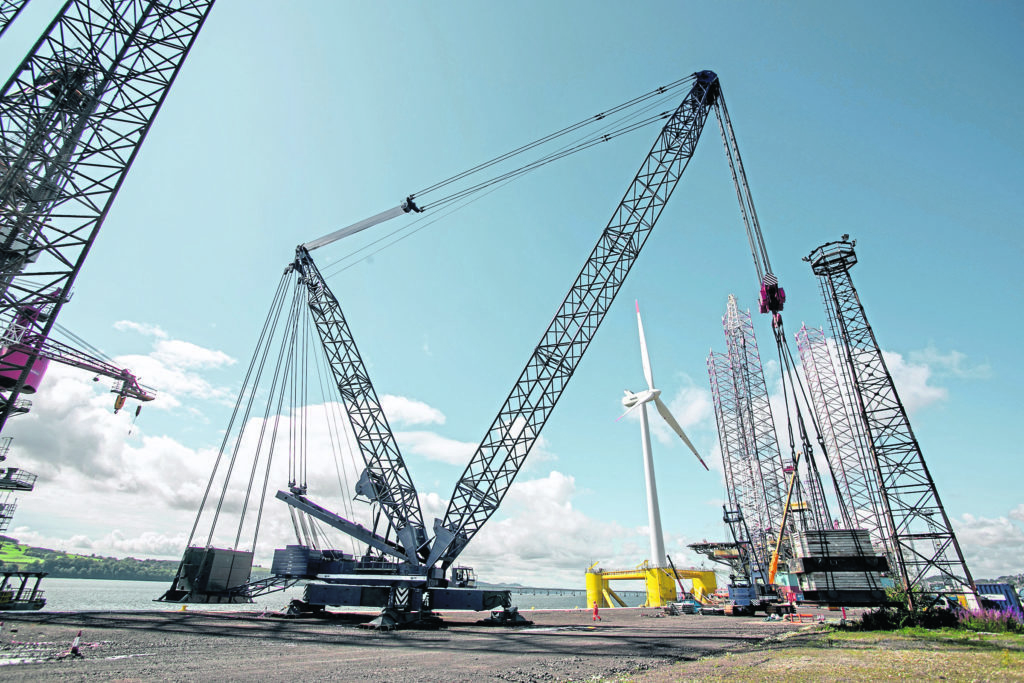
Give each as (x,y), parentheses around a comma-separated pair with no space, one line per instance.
(561,645)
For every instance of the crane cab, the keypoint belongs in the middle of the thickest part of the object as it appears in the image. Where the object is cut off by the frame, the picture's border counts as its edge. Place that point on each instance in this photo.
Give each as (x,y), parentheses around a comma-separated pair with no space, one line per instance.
(463,577)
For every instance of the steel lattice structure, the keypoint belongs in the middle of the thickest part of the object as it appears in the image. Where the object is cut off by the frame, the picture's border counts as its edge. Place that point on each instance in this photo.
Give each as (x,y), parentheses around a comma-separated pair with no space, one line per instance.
(500,455)
(72,119)
(754,464)
(843,436)
(924,544)
(754,408)
(386,480)
(743,489)
(9,10)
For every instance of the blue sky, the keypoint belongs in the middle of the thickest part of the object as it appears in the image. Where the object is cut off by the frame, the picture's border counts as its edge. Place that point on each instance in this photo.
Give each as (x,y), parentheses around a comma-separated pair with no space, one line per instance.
(894,122)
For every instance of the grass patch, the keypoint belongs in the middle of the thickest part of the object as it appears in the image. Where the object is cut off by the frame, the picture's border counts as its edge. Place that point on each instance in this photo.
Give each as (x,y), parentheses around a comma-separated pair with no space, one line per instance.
(828,654)
(11,553)
(918,634)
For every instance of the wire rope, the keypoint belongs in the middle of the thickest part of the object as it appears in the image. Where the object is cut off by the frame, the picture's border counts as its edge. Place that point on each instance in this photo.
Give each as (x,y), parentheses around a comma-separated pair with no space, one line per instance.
(547,159)
(553,136)
(82,343)
(334,427)
(297,301)
(281,370)
(269,324)
(485,188)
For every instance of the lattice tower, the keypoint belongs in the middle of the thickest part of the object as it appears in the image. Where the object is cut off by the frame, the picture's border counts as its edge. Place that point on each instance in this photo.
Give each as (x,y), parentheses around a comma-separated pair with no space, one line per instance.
(743,488)
(9,9)
(754,409)
(924,544)
(747,430)
(72,119)
(845,442)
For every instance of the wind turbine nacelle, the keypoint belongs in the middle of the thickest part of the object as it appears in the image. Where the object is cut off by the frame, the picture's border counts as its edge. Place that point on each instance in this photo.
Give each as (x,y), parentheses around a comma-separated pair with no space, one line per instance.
(631,399)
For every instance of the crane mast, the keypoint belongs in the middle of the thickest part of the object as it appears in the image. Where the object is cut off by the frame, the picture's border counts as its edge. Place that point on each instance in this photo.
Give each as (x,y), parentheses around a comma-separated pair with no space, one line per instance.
(504,448)
(386,480)
(337,578)
(923,541)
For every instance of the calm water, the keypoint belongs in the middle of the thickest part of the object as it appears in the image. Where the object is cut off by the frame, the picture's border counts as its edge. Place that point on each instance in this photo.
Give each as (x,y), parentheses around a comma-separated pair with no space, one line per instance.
(82,595)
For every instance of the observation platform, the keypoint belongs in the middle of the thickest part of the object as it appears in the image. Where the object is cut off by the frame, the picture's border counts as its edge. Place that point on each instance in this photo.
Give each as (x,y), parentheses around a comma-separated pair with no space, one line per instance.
(14,479)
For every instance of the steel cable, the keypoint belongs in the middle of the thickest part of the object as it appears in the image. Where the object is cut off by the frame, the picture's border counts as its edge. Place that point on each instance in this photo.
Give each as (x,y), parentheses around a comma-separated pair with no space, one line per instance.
(487,187)
(270,325)
(553,136)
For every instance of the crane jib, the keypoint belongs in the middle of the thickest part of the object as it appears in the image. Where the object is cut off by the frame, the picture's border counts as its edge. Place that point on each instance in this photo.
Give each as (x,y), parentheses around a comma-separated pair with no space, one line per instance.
(504,448)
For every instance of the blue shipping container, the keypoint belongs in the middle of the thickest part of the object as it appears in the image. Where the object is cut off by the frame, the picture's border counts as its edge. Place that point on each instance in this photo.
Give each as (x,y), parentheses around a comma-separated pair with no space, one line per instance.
(1001,596)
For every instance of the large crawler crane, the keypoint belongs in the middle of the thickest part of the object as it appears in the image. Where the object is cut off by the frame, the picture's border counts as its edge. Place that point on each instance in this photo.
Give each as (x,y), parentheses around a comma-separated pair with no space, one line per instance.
(410,572)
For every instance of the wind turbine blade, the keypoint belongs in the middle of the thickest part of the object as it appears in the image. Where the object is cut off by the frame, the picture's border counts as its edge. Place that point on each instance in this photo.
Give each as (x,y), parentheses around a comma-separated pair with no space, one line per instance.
(663,409)
(629,410)
(643,349)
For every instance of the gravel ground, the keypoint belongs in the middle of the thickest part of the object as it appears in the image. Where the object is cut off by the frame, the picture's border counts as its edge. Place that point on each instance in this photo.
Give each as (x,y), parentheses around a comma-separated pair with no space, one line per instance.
(561,645)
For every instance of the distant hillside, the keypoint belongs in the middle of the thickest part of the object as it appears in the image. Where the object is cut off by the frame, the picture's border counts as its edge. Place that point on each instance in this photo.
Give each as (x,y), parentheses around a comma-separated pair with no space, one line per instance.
(15,556)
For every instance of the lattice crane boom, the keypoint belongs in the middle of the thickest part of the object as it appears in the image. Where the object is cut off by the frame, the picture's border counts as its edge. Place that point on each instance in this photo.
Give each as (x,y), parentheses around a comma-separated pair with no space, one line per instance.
(852,473)
(128,386)
(386,480)
(514,431)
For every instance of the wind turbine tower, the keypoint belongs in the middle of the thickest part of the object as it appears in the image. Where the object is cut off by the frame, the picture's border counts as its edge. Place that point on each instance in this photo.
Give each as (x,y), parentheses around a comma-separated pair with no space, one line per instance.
(631,401)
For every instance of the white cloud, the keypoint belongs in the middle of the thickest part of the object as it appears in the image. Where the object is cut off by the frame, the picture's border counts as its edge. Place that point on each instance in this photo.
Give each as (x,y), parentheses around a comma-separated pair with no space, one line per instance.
(540,453)
(538,535)
(73,439)
(148,545)
(433,446)
(170,369)
(692,406)
(142,328)
(912,382)
(992,547)
(433,507)
(402,410)
(181,354)
(151,486)
(954,363)
(539,538)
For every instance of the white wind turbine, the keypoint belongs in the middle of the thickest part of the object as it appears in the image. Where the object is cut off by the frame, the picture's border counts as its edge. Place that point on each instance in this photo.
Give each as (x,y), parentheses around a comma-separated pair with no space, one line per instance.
(632,400)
